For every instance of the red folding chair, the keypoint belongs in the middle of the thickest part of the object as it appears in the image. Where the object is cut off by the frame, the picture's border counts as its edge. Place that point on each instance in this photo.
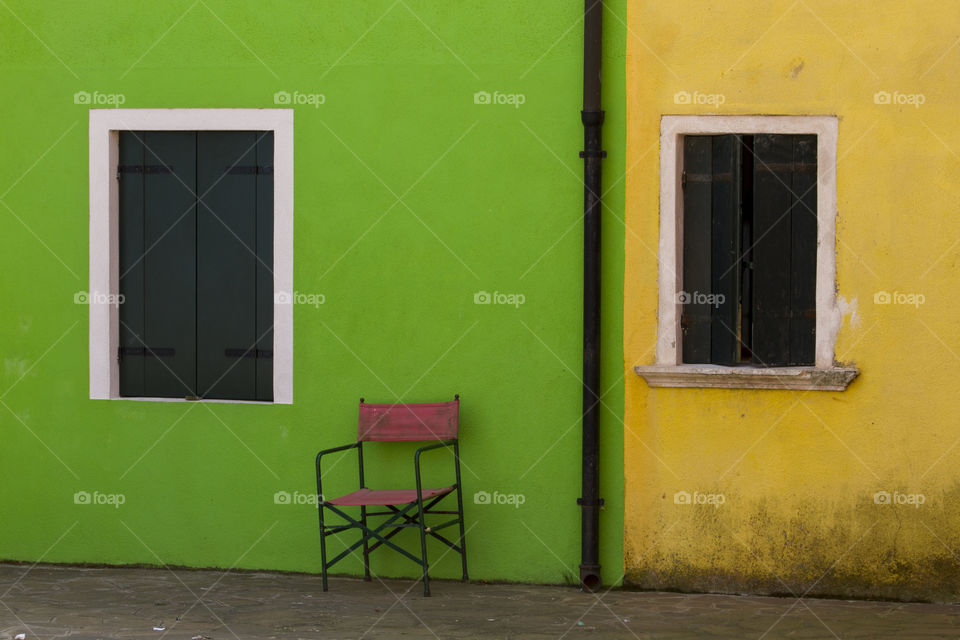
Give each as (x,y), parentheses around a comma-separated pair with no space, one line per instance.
(438,421)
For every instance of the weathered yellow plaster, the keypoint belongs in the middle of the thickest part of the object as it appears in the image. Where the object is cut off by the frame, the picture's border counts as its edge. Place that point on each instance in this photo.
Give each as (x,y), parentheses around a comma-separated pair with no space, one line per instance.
(798,471)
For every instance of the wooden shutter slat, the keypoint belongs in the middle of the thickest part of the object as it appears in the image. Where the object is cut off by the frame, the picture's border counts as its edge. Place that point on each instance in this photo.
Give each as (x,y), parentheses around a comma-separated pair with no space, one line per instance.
(697,215)
(131,331)
(170,262)
(725,252)
(227,265)
(772,202)
(711,249)
(803,223)
(264,266)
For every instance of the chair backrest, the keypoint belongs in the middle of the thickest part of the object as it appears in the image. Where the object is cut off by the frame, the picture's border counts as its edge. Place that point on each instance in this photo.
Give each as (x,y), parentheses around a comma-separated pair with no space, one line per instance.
(398,422)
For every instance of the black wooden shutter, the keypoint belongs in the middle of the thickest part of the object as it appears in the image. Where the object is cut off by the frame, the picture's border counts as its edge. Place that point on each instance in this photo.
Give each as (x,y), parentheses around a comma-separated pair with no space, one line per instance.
(711,249)
(233,291)
(157,176)
(197,279)
(265,295)
(785,249)
(131,267)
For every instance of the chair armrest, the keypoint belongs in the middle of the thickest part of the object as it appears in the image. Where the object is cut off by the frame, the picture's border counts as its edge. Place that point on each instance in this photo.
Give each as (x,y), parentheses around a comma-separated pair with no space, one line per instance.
(416,459)
(445,443)
(346,447)
(352,445)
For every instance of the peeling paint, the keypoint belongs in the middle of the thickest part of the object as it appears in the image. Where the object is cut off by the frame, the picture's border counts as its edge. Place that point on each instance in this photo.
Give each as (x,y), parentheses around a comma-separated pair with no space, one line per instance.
(803,473)
(15,368)
(795,67)
(848,310)
(833,549)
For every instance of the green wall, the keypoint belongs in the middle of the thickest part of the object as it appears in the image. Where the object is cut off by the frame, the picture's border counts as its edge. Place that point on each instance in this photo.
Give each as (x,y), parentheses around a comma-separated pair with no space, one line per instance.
(492,201)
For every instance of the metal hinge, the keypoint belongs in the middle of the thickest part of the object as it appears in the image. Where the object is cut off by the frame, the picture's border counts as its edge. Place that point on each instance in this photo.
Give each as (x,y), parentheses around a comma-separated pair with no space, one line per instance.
(786,167)
(248,353)
(705,177)
(143,169)
(144,351)
(584,503)
(247,170)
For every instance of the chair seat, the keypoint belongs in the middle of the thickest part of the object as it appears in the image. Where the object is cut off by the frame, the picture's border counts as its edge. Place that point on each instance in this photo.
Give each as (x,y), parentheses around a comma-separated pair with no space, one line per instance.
(384,497)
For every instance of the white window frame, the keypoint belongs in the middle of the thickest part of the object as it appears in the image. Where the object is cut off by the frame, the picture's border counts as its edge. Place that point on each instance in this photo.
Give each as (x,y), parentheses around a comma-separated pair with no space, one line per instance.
(105,125)
(669,369)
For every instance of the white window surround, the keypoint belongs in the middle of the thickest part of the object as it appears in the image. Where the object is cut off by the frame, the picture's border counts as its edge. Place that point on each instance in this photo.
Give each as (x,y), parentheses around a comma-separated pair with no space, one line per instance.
(105,125)
(669,370)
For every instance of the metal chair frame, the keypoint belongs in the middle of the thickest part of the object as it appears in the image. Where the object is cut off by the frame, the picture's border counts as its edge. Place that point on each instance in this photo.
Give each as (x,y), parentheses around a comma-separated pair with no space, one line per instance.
(412,512)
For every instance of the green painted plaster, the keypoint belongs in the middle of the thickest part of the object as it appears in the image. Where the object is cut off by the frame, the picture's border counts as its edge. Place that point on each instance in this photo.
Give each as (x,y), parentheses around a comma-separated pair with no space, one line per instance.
(491,201)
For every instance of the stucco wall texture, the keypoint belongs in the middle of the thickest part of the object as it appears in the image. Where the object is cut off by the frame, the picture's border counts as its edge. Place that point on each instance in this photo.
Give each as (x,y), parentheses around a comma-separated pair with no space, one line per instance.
(413,197)
(800,472)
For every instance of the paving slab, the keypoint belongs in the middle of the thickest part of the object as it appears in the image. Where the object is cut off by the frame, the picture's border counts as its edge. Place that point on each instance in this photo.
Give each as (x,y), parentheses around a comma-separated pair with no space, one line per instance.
(47,601)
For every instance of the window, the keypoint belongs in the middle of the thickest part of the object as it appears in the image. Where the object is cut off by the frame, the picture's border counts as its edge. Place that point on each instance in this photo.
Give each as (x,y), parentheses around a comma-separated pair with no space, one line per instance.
(191,219)
(747,260)
(196,253)
(749,249)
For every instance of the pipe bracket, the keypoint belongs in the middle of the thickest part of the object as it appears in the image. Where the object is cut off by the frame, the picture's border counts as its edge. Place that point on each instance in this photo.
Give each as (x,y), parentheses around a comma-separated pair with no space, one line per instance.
(592,118)
(586,503)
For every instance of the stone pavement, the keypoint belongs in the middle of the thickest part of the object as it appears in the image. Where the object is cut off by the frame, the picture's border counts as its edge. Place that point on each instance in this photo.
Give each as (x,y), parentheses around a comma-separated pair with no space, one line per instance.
(56,602)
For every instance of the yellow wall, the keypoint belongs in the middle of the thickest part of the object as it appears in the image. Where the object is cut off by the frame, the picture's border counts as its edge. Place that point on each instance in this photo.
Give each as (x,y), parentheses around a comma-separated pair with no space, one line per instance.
(799,470)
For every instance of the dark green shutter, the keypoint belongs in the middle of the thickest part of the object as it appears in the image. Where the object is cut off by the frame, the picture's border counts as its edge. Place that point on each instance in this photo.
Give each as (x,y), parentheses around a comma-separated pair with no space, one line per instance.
(132,336)
(234,269)
(725,264)
(803,280)
(785,248)
(711,249)
(158,329)
(265,295)
(697,243)
(196,274)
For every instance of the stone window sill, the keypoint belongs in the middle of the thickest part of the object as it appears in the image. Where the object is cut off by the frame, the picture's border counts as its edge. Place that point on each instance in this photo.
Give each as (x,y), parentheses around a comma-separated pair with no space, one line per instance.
(717,376)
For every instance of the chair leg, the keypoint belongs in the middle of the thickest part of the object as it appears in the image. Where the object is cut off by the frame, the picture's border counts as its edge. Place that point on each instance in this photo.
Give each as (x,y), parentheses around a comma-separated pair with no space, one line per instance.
(366,549)
(463,538)
(323,549)
(423,551)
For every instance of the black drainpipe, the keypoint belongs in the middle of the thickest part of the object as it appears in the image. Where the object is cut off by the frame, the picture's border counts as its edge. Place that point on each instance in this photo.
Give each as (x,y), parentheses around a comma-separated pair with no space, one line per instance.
(592,118)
